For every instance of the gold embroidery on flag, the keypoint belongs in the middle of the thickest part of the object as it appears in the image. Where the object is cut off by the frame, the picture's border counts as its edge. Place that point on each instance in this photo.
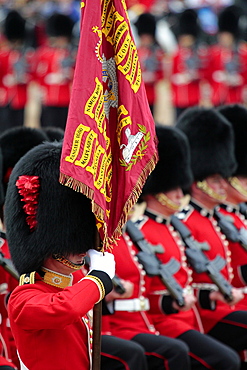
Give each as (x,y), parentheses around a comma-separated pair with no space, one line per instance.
(101,178)
(99,43)
(122,122)
(128,65)
(91,140)
(96,158)
(129,158)
(98,91)
(76,143)
(104,11)
(109,22)
(130,77)
(123,49)
(118,34)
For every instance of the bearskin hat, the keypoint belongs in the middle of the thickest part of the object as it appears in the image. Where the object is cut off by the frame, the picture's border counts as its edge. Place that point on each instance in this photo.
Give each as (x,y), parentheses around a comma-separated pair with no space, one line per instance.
(173,168)
(14,26)
(146,24)
(188,23)
(14,143)
(59,25)
(236,114)
(211,140)
(228,20)
(42,216)
(54,133)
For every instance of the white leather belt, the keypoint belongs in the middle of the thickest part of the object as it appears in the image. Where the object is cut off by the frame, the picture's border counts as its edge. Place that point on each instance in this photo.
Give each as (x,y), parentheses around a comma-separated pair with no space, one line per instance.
(206,286)
(132,305)
(187,290)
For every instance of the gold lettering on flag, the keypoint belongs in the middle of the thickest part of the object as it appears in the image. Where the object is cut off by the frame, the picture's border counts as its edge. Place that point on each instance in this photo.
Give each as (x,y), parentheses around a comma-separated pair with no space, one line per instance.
(122,122)
(87,150)
(96,101)
(117,32)
(94,159)
(76,143)
(109,144)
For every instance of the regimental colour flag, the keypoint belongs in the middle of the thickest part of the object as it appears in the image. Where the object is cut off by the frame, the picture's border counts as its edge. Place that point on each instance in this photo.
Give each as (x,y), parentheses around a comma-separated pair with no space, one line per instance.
(110,145)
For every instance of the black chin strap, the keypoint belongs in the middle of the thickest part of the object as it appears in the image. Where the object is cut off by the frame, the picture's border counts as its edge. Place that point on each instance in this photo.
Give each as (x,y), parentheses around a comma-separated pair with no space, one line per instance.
(68,263)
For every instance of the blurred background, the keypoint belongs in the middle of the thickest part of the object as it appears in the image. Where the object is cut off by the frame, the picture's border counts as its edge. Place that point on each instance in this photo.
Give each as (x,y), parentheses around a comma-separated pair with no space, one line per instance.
(192,52)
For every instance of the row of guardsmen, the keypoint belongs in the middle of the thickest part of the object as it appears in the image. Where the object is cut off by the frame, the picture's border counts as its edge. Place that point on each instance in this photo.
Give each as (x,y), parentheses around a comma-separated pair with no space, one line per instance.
(180,278)
(197,72)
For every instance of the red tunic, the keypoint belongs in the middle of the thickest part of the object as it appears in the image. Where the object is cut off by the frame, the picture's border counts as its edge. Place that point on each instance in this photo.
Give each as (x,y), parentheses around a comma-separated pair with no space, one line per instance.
(187,93)
(126,324)
(171,325)
(239,254)
(151,61)
(7,284)
(205,229)
(14,77)
(50,325)
(53,71)
(234,63)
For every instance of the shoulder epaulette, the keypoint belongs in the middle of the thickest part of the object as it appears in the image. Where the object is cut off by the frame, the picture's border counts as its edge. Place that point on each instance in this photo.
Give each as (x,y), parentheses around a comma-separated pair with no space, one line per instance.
(28,278)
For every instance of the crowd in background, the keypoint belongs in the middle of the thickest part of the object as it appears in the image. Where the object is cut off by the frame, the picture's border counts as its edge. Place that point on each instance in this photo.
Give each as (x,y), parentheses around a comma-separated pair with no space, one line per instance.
(190,53)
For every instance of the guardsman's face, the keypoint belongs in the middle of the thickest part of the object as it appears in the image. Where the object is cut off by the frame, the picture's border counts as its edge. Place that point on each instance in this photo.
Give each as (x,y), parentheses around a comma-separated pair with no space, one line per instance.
(217,183)
(239,194)
(175,195)
(226,39)
(213,192)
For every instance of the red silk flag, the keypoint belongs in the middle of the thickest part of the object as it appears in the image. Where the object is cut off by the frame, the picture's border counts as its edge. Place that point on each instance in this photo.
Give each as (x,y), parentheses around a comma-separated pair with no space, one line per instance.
(109,146)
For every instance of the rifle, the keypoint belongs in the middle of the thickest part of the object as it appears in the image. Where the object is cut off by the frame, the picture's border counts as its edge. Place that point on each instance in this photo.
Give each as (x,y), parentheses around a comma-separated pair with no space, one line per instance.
(153,266)
(8,266)
(200,262)
(118,286)
(231,232)
(243,209)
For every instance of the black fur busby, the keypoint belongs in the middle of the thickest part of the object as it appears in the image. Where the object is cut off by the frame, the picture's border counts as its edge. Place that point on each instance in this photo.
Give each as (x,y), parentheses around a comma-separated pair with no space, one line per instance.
(229,20)
(64,222)
(146,24)
(173,168)
(211,140)
(188,23)
(54,133)
(236,114)
(14,27)
(59,25)
(14,143)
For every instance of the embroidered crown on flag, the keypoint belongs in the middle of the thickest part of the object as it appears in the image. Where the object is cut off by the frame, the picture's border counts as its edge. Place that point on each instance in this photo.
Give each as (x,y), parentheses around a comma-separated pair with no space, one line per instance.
(110,146)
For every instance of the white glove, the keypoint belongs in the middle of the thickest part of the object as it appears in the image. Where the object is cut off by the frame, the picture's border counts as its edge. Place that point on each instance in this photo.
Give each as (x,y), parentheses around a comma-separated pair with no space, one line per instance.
(102,262)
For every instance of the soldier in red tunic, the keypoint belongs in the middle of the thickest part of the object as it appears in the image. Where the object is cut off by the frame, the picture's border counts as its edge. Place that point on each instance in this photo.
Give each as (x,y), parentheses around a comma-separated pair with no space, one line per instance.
(151,56)
(237,193)
(15,59)
(50,228)
(227,67)
(172,317)
(130,320)
(53,69)
(188,64)
(14,143)
(212,160)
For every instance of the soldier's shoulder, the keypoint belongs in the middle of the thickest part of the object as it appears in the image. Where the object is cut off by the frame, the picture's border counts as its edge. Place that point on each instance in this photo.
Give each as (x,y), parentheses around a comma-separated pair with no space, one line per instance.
(28,278)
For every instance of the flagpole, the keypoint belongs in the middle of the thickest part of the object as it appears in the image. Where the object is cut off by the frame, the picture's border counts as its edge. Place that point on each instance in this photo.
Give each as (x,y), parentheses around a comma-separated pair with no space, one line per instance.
(96,356)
